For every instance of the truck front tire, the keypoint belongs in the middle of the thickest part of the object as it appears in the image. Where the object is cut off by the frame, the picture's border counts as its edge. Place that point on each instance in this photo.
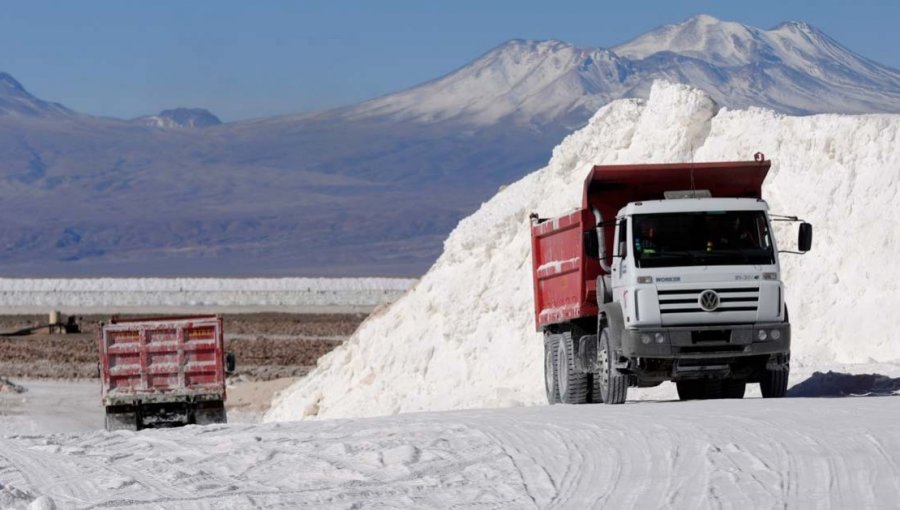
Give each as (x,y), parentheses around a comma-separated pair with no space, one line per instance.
(572,384)
(550,378)
(612,386)
(774,383)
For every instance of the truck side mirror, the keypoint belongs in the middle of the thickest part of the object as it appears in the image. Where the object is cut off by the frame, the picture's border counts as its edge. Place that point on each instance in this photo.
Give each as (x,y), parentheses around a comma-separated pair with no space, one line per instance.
(804,238)
(591,244)
(229,362)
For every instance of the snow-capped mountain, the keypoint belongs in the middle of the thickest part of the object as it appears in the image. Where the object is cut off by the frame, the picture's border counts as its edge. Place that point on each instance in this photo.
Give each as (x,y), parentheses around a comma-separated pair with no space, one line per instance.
(791,68)
(372,188)
(16,101)
(533,81)
(180,118)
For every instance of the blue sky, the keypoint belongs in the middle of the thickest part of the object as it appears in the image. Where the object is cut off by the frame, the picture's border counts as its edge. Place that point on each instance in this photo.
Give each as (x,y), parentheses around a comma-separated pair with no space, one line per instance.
(253,59)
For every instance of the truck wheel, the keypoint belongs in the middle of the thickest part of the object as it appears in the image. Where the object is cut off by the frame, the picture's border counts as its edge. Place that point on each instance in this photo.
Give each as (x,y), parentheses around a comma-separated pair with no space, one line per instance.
(774,383)
(692,389)
(572,384)
(613,386)
(208,413)
(733,389)
(596,396)
(723,388)
(550,379)
(121,419)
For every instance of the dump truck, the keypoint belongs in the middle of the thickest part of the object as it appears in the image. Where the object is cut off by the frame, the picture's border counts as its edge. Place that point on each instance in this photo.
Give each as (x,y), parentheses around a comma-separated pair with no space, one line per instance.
(163,371)
(667,272)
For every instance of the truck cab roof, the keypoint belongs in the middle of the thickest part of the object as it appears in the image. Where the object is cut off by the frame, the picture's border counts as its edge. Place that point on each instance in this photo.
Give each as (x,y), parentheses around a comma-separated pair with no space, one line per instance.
(693,205)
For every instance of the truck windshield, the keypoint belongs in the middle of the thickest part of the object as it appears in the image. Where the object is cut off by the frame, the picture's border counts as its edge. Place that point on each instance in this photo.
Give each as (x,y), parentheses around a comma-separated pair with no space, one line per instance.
(704,238)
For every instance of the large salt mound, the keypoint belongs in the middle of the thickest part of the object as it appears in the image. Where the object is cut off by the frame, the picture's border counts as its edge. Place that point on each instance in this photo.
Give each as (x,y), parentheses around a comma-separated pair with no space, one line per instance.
(464,336)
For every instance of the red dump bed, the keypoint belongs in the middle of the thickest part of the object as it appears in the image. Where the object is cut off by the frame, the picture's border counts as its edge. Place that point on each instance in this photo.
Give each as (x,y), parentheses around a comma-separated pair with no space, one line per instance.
(565,281)
(178,357)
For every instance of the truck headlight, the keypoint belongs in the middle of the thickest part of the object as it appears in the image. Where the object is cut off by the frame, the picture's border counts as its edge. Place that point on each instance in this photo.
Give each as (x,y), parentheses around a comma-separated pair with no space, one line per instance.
(660,338)
(762,335)
(770,276)
(645,339)
(775,334)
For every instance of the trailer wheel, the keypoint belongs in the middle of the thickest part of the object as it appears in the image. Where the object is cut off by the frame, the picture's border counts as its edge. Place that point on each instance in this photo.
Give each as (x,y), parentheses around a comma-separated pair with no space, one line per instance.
(208,413)
(774,383)
(573,385)
(613,386)
(121,418)
(550,378)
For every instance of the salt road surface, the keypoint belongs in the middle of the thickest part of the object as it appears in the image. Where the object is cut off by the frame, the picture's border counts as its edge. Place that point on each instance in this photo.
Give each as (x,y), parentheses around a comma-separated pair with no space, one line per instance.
(751,453)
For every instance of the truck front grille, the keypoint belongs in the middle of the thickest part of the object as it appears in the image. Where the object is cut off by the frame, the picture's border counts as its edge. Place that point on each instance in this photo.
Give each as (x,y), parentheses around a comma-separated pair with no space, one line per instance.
(737,299)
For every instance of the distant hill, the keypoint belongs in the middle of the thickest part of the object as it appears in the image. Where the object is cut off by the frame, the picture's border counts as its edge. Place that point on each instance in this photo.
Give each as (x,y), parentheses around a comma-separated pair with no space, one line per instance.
(180,118)
(373,188)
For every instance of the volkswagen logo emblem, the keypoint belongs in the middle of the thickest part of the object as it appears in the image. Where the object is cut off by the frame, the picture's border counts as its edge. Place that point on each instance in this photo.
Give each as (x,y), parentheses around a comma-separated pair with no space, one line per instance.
(708,300)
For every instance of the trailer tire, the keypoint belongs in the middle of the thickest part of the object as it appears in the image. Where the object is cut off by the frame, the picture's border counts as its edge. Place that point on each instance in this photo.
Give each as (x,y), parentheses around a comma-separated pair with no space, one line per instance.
(551,386)
(572,384)
(613,385)
(774,383)
(208,413)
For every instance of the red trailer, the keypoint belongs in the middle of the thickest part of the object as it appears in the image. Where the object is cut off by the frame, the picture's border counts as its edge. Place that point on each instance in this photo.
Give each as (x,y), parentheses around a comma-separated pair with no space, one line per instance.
(164,371)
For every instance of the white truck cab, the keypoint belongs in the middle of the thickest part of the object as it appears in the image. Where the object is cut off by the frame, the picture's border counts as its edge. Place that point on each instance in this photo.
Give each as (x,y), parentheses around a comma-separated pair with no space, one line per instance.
(671,251)
(697,280)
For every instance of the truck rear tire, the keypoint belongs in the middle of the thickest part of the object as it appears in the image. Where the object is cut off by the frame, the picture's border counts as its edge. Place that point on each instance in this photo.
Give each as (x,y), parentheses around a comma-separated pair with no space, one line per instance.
(208,413)
(596,396)
(551,343)
(710,389)
(613,385)
(121,418)
(733,389)
(572,384)
(691,389)
(723,388)
(774,383)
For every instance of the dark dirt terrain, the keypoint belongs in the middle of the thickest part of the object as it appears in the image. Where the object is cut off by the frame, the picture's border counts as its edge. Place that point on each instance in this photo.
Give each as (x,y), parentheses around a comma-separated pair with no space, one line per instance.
(267,345)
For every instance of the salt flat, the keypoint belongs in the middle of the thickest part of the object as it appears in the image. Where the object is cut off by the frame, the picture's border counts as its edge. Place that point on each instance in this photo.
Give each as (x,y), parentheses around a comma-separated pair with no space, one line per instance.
(752,453)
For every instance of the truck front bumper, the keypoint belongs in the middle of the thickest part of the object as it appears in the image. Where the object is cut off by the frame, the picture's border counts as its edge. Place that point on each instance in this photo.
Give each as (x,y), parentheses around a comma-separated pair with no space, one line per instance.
(704,342)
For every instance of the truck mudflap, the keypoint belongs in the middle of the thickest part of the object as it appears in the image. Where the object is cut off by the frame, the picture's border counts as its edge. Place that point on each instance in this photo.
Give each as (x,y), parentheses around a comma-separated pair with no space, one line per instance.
(707,342)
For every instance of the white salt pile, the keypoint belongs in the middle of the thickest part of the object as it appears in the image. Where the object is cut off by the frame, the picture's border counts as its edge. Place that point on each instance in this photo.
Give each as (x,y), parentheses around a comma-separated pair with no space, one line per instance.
(464,336)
